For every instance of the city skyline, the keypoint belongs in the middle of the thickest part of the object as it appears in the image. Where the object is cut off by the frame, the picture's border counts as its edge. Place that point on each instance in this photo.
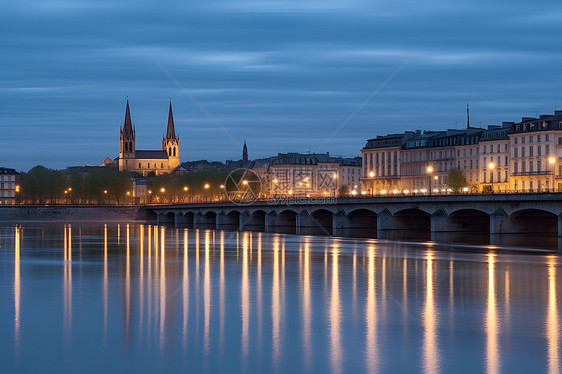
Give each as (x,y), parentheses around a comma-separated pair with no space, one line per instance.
(265,73)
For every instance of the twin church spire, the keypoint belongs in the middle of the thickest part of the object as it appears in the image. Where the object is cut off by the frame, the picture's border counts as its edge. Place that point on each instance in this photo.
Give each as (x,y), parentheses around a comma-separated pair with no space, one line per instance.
(147,161)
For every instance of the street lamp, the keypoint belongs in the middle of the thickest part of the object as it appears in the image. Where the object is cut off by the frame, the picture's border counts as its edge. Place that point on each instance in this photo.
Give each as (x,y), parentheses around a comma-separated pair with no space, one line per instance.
(334,177)
(552,161)
(429,171)
(491,166)
(207,186)
(436,178)
(372,175)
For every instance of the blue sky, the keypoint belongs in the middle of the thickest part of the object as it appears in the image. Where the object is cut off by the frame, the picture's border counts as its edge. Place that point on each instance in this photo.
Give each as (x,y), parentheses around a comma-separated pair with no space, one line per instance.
(285,75)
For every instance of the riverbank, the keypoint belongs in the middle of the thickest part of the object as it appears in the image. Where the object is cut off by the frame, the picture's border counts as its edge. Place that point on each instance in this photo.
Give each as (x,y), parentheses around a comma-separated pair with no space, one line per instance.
(106,213)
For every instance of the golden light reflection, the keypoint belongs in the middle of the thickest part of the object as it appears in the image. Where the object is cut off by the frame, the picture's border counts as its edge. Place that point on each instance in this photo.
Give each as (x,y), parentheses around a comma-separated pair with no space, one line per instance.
(185,286)
(336,354)
(105,284)
(207,293)
(128,284)
(221,291)
(431,360)
(275,305)
(67,282)
(17,289)
(552,320)
(491,323)
(149,278)
(259,288)
(162,284)
(245,295)
(371,348)
(306,305)
(141,280)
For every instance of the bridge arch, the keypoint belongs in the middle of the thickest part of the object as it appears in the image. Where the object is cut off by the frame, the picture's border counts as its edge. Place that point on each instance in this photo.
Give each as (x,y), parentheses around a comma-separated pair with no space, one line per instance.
(469,220)
(534,221)
(319,222)
(412,219)
(360,222)
(253,221)
(286,222)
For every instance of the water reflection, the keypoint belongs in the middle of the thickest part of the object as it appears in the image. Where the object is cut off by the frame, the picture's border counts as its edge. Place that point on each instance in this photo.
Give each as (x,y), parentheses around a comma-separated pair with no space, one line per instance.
(67,282)
(552,321)
(492,324)
(430,320)
(336,355)
(371,351)
(284,303)
(17,289)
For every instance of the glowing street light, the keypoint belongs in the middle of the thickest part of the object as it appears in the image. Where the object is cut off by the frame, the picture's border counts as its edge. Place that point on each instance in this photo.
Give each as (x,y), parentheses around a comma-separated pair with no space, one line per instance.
(552,161)
(491,166)
(186,188)
(162,190)
(207,186)
(245,182)
(429,171)
(105,192)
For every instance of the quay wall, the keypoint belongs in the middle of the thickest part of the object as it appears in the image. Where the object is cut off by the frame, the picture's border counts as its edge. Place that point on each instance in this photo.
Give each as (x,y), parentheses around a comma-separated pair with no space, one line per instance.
(106,213)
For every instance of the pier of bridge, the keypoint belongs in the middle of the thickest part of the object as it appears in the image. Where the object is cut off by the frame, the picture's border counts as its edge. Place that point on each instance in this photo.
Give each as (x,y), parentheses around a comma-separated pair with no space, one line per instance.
(539,214)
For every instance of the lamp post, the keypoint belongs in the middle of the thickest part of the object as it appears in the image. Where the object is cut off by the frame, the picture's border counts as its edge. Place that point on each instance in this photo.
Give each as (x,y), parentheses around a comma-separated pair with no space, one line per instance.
(372,175)
(207,186)
(552,161)
(491,166)
(429,171)
(436,179)
(335,178)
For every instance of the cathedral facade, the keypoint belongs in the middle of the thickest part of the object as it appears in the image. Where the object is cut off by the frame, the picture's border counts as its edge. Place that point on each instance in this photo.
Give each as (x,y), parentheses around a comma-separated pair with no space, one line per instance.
(148,161)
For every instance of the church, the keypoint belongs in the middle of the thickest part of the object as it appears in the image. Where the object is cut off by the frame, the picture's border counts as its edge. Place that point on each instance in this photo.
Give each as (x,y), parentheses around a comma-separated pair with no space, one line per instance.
(148,161)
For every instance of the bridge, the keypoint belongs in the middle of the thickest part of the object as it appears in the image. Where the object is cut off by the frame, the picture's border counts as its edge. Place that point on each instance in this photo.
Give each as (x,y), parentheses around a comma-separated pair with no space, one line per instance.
(539,214)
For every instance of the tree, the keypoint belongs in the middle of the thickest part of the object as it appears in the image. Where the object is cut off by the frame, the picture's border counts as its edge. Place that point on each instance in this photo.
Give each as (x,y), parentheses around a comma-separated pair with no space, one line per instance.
(456,180)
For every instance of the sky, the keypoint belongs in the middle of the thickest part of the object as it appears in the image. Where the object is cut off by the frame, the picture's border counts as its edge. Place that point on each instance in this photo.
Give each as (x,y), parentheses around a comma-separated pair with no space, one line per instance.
(287,76)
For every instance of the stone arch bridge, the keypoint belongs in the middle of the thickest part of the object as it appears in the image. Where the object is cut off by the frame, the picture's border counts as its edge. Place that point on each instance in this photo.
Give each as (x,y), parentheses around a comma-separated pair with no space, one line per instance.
(493,214)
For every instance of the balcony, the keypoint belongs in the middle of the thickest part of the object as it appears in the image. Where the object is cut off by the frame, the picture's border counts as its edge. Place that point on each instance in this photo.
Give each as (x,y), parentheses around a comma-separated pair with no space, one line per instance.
(531,173)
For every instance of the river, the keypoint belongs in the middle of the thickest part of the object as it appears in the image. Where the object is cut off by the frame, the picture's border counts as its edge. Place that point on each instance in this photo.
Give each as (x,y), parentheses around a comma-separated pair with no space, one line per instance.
(113,298)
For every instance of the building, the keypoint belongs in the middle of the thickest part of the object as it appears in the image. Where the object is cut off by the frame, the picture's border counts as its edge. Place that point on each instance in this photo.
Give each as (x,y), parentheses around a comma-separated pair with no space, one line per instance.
(148,161)
(309,174)
(381,162)
(535,148)
(513,157)
(8,186)
(494,158)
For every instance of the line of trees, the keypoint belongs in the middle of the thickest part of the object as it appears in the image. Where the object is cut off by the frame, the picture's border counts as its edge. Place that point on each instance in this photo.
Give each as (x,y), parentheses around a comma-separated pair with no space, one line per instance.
(41,185)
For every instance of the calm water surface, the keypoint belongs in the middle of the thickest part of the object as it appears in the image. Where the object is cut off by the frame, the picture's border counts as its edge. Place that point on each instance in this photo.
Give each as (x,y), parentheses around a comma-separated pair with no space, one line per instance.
(95,298)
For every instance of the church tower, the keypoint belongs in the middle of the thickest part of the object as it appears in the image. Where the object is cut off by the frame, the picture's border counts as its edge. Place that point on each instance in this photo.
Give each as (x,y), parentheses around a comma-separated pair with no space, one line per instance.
(171,142)
(127,142)
(245,152)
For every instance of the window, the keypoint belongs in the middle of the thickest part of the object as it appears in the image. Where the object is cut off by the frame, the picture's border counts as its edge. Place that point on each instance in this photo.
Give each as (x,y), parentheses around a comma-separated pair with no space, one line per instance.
(559,141)
(471,164)
(531,164)
(531,151)
(505,160)
(522,151)
(547,149)
(538,165)
(523,140)
(505,147)
(484,149)
(538,138)
(539,149)
(140,167)
(515,152)
(514,140)
(546,137)
(515,167)
(523,167)
(162,165)
(530,139)
(174,151)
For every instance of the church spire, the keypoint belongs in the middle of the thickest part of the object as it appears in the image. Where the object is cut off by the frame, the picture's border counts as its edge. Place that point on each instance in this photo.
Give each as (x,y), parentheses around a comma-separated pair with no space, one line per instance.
(467,117)
(245,152)
(170,130)
(127,125)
